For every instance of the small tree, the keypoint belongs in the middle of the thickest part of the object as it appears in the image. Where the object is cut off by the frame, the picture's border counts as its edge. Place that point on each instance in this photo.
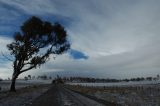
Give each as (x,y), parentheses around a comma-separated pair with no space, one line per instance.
(33,45)
(158,77)
(29,77)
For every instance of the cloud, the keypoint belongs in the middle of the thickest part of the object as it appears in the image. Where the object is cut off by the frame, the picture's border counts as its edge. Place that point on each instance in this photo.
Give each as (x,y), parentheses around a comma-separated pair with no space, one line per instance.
(31,7)
(3,42)
(121,38)
(5,65)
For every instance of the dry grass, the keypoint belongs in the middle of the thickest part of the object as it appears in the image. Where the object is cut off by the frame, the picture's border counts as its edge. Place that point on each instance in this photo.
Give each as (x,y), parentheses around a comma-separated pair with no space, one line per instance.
(28,89)
(128,96)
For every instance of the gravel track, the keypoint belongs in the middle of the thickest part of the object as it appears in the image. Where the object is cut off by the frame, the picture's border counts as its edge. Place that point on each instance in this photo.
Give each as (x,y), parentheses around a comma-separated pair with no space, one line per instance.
(59,96)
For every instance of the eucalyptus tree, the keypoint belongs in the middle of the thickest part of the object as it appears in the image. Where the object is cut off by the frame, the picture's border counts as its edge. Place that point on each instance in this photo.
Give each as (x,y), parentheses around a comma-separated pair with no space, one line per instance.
(34,43)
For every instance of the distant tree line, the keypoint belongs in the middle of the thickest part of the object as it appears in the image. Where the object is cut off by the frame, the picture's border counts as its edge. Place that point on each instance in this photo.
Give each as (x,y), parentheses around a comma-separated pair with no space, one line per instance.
(102,80)
(88,79)
(42,77)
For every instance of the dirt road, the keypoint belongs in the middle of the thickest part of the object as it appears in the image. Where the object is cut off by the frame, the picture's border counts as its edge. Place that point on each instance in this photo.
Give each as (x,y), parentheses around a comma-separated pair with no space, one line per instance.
(59,96)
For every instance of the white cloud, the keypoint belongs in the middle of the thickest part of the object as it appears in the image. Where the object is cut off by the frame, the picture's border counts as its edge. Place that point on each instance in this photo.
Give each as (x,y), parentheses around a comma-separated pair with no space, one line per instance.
(3,43)
(121,38)
(32,7)
(5,65)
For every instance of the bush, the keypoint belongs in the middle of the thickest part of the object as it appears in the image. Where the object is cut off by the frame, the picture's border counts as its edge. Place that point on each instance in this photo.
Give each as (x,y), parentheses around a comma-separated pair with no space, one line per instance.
(57,81)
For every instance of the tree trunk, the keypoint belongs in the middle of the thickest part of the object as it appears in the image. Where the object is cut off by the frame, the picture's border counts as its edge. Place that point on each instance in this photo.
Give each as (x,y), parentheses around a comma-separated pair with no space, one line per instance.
(12,87)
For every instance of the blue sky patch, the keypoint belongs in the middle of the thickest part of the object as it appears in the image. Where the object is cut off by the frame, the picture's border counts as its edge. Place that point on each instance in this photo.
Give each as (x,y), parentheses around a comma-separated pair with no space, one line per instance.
(75,54)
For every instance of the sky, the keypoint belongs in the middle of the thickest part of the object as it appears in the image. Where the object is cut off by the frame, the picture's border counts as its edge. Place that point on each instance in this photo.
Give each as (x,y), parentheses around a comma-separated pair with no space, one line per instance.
(109,38)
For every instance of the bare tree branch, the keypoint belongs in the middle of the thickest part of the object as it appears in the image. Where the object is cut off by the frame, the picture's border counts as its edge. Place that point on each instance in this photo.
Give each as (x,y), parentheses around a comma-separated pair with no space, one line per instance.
(27,69)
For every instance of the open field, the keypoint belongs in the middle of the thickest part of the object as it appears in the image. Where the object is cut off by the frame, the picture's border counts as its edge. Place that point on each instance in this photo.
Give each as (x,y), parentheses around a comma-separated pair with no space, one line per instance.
(123,94)
(5,85)
(111,84)
(23,96)
(45,95)
(130,95)
(26,92)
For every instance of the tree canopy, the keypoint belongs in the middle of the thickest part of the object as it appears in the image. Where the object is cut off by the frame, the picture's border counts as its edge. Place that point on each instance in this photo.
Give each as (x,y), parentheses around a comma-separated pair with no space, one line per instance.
(36,41)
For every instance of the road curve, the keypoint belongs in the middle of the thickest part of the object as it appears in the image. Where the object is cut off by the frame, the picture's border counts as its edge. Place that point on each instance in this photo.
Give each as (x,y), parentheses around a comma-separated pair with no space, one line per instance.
(59,96)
